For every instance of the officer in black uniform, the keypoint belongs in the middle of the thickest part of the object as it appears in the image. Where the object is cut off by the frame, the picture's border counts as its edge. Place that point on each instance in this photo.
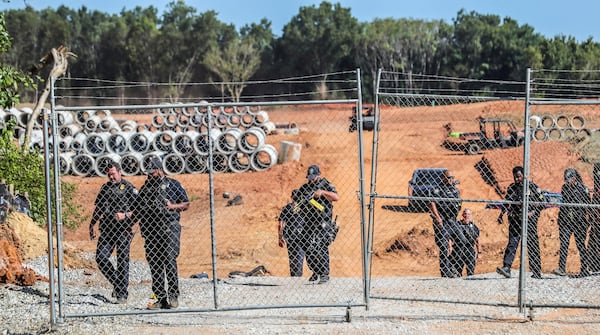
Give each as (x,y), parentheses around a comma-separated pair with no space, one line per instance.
(114,209)
(573,221)
(291,233)
(515,193)
(159,206)
(317,209)
(465,255)
(443,214)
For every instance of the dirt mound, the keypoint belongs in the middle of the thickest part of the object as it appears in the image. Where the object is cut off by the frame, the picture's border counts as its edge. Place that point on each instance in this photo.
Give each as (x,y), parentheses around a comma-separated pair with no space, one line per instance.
(11,251)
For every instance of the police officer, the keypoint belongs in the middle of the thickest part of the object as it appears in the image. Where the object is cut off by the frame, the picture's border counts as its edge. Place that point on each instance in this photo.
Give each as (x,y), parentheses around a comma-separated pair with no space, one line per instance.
(443,214)
(159,206)
(318,195)
(114,209)
(466,254)
(515,193)
(291,233)
(573,221)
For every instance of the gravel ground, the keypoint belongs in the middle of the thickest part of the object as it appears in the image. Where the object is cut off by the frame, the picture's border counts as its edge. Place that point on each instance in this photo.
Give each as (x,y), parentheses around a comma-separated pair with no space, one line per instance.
(392,310)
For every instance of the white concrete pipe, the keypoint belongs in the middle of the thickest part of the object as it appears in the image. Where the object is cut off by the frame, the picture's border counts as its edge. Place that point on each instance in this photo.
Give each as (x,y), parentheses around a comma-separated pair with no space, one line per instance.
(547,121)
(227,141)
(91,124)
(269,127)
(247,118)
(118,143)
(584,132)
(233,120)
(142,141)
(96,143)
(131,163)
(17,116)
(555,134)
(569,133)
(69,130)
(64,144)
(82,116)
(170,120)
(239,162)
(12,116)
(65,160)
(173,164)
(562,122)
(64,118)
(129,126)
(577,122)
(201,144)
(158,121)
(220,162)
(164,141)
(109,124)
(183,120)
(102,161)
(103,113)
(260,118)
(146,159)
(78,141)
(83,165)
(289,151)
(25,116)
(263,158)
(251,140)
(535,121)
(195,163)
(183,144)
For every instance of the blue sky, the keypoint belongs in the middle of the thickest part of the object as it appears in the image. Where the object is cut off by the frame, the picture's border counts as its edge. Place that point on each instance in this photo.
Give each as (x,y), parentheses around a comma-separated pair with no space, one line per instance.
(577,18)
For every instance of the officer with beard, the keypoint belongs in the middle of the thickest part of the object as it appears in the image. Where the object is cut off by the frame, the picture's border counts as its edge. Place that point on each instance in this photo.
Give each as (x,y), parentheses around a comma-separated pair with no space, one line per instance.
(160,203)
(114,208)
(515,193)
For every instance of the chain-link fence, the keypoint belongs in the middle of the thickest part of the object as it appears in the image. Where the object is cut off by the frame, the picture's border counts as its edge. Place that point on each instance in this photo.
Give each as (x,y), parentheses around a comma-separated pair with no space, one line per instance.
(193,193)
(446,168)
(452,160)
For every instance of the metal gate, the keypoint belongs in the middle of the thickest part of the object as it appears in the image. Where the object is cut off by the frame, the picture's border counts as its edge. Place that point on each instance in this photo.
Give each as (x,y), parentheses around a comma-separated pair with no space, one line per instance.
(434,134)
(239,163)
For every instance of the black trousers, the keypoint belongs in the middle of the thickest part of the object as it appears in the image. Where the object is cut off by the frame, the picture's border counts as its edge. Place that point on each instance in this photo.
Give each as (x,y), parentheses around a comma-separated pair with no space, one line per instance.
(119,239)
(533,243)
(296,253)
(449,231)
(464,256)
(317,251)
(578,228)
(162,250)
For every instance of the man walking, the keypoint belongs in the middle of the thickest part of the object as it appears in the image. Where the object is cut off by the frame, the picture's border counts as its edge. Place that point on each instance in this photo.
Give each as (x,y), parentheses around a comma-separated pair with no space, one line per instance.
(515,193)
(317,209)
(114,208)
(160,203)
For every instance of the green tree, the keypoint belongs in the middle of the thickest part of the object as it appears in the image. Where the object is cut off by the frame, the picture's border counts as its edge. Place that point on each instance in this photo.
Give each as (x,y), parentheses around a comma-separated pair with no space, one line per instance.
(318,40)
(234,64)
(12,80)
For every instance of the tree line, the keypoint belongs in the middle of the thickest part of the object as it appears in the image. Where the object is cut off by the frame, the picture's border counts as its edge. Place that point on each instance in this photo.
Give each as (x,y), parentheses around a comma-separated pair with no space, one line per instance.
(182,46)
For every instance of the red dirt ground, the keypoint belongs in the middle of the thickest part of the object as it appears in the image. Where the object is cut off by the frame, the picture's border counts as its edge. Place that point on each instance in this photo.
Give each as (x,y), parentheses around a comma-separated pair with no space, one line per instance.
(253,239)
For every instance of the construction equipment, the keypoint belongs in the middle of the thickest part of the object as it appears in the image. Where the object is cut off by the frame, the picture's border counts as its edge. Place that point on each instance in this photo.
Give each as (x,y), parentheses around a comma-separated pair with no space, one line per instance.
(368,119)
(494,133)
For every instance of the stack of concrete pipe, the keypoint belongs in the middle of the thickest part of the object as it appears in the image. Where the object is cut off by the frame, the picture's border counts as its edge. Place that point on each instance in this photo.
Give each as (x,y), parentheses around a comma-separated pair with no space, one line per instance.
(557,128)
(180,136)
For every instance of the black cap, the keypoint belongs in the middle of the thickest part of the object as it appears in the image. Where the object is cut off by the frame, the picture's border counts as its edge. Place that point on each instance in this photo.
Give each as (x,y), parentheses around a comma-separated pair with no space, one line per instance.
(313,172)
(154,164)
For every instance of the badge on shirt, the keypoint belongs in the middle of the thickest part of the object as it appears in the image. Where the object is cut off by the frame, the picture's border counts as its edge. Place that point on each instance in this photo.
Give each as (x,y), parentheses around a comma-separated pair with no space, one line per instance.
(122,187)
